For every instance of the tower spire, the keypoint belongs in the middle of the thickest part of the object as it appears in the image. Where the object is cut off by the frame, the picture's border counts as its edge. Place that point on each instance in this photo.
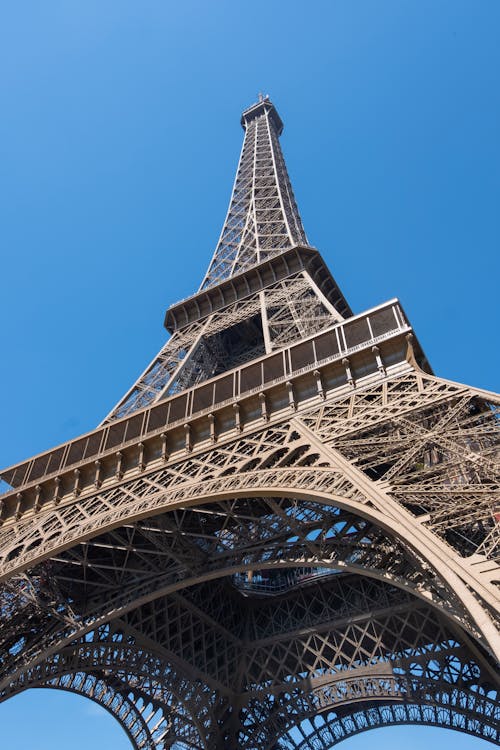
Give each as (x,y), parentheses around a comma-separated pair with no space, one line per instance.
(262,218)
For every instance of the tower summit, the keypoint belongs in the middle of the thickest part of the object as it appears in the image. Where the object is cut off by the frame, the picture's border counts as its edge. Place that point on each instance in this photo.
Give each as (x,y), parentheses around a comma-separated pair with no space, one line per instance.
(285,533)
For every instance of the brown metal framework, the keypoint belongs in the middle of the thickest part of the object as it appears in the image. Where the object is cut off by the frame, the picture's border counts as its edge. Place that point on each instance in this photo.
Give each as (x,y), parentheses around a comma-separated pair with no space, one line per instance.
(285,533)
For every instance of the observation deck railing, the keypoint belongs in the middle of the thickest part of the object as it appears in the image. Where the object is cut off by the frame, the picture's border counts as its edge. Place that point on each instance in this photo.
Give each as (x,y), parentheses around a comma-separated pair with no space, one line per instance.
(337,343)
(271,583)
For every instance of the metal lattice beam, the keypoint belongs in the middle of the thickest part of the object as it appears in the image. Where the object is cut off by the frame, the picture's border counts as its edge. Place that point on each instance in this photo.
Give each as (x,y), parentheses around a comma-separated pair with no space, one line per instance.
(262,218)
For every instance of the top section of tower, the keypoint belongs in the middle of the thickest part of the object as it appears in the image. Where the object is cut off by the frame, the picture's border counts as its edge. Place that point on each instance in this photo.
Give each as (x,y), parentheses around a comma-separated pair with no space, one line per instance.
(263,219)
(263,106)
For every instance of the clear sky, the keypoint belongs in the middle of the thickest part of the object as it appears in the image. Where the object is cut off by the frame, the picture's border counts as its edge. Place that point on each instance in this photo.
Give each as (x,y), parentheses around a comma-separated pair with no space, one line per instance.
(119,138)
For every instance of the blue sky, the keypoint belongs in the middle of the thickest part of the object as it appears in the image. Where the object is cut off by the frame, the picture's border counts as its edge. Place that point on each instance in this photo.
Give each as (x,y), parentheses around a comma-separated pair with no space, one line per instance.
(119,139)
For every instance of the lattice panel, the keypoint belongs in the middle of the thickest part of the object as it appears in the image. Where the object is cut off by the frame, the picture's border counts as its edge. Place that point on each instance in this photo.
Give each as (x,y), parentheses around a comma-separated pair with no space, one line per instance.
(169,707)
(293,309)
(300,312)
(438,447)
(158,374)
(427,665)
(326,730)
(212,651)
(262,219)
(370,639)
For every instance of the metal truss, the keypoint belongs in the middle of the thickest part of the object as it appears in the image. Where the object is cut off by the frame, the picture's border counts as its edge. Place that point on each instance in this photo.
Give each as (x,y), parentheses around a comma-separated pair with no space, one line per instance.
(227,543)
(441,461)
(392,656)
(284,312)
(262,218)
(127,707)
(287,532)
(156,706)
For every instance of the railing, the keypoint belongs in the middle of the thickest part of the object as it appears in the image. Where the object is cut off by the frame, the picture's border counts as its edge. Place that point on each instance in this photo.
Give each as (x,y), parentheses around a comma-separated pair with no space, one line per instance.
(270,582)
(333,344)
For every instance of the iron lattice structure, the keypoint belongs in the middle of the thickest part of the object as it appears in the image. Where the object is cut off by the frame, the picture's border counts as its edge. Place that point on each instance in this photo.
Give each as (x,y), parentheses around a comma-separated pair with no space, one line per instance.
(285,533)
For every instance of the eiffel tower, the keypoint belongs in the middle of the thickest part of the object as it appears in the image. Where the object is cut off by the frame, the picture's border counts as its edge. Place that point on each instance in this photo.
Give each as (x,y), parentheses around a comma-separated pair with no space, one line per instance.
(286,532)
